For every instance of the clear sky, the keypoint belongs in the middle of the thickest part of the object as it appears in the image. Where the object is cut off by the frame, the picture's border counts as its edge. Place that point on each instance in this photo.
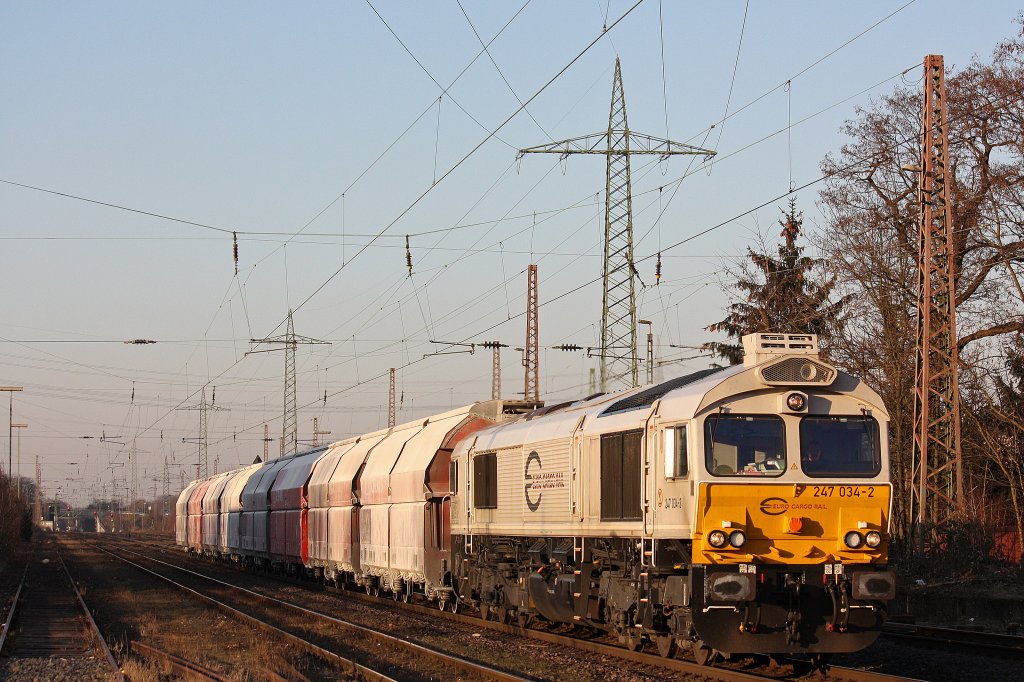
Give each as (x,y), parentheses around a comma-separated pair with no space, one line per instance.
(309,129)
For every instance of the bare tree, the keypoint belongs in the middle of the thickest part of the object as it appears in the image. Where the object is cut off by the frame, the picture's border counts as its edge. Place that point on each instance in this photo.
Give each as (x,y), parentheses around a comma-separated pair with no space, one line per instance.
(870,239)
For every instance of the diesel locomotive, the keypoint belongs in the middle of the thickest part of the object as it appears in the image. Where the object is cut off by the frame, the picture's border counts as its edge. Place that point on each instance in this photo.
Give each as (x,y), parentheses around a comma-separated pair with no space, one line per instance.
(742,509)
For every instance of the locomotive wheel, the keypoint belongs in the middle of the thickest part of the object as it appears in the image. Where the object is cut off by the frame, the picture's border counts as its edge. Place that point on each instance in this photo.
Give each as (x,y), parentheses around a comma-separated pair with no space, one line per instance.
(703,654)
(666,646)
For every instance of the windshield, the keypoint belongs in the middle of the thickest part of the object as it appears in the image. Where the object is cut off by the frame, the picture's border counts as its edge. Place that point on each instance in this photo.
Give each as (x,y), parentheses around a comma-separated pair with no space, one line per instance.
(744,445)
(845,446)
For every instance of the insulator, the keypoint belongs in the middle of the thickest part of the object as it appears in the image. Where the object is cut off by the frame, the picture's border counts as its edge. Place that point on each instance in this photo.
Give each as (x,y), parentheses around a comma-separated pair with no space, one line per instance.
(408,255)
(234,249)
(325,396)
(214,401)
(657,269)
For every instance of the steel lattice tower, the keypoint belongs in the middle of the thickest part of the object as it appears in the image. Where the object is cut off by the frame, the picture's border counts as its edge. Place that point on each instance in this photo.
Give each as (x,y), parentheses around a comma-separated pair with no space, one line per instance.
(203,407)
(495,347)
(531,360)
(618,359)
(290,418)
(937,485)
(496,372)
(37,504)
(290,422)
(391,399)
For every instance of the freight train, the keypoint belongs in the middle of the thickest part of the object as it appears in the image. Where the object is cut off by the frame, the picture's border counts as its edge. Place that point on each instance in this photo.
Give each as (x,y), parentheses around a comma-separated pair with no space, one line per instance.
(742,509)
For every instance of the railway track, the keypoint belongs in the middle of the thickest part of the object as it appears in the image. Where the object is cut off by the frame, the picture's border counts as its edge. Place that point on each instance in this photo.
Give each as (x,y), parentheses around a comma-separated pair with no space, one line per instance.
(48,618)
(931,637)
(370,654)
(789,670)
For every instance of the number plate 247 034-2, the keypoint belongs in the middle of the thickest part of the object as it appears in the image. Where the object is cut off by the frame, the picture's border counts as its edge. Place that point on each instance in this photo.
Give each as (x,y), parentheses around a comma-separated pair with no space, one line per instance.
(841,491)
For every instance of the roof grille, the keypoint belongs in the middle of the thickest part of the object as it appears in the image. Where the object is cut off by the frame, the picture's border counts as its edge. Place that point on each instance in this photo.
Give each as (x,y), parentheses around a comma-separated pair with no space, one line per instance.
(647,397)
(799,371)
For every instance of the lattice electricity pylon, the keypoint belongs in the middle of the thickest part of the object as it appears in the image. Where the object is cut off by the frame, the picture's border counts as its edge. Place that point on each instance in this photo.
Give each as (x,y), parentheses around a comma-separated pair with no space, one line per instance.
(202,466)
(531,357)
(391,399)
(618,314)
(937,485)
(290,420)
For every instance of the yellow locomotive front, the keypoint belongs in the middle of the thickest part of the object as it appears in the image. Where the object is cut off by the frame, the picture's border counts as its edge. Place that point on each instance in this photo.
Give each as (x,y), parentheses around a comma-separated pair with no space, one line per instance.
(792,504)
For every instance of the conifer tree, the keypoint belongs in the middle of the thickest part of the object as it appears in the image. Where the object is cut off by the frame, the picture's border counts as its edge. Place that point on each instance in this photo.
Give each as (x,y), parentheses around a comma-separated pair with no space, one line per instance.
(780,295)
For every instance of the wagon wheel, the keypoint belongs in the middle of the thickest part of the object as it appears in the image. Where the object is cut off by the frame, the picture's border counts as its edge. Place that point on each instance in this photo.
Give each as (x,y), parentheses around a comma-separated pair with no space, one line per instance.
(485,611)
(442,603)
(632,642)
(523,619)
(455,605)
(666,645)
(505,616)
(405,596)
(703,654)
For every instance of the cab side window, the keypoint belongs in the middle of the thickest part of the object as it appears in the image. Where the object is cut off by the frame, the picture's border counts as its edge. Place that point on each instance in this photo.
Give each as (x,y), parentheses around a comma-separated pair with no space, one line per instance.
(676,455)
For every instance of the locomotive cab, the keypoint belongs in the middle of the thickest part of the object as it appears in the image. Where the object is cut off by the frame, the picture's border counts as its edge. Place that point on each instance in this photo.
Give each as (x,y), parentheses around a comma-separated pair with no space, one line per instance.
(792,507)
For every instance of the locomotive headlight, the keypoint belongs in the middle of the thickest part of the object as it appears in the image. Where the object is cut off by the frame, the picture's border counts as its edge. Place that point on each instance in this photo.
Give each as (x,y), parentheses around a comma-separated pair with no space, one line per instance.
(873,538)
(853,539)
(717,538)
(737,538)
(796,401)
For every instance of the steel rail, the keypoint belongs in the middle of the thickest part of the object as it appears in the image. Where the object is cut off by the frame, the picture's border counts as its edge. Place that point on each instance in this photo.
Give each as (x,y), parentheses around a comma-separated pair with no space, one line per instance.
(92,623)
(992,643)
(715,673)
(185,668)
(463,664)
(14,606)
(303,644)
(722,674)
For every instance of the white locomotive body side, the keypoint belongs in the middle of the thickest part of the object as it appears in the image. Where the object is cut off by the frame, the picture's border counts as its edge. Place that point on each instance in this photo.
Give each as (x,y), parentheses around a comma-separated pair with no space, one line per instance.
(609,512)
